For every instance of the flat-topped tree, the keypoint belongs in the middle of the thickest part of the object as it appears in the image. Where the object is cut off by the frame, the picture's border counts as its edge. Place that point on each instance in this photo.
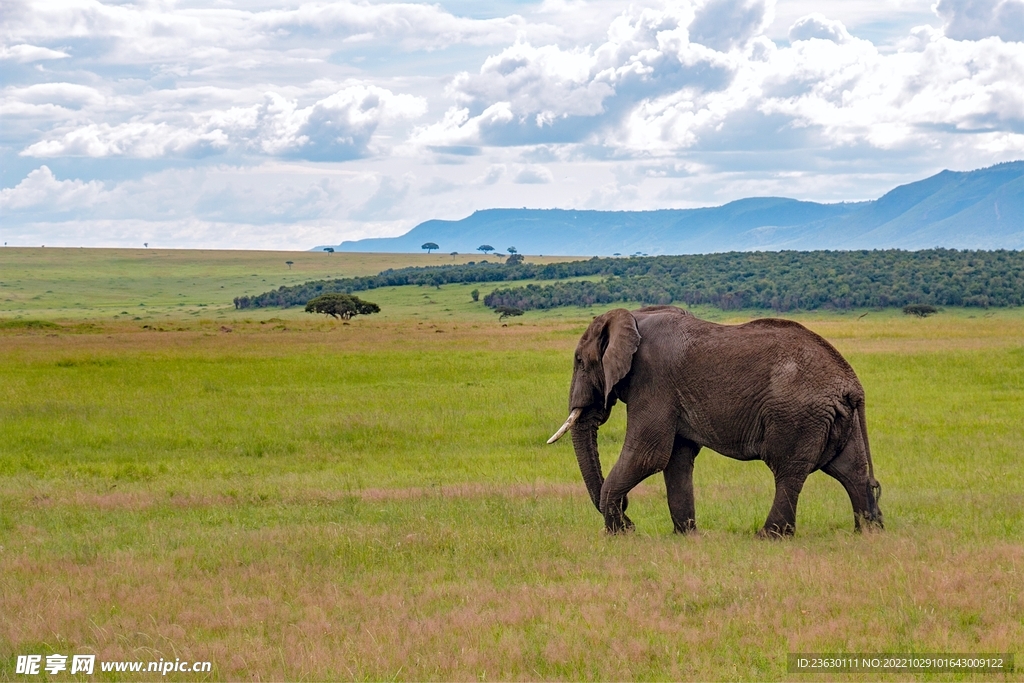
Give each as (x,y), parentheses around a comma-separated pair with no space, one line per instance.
(430,246)
(920,310)
(486,248)
(343,306)
(508,312)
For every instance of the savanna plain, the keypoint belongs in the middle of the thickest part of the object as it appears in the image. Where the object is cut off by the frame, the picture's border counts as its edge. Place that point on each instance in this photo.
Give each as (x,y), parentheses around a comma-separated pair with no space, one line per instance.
(293,498)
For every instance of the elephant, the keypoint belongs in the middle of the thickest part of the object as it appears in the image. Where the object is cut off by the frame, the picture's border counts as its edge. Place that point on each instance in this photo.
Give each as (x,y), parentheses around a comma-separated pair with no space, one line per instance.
(769,389)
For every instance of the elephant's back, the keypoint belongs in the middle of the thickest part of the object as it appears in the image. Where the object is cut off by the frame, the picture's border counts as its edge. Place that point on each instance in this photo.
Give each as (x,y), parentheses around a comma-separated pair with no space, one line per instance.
(782,355)
(812,346)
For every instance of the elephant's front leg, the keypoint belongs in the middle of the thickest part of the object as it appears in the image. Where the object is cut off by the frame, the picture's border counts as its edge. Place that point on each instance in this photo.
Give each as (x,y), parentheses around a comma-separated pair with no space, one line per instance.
(647,449)
(679,484)
(789,481)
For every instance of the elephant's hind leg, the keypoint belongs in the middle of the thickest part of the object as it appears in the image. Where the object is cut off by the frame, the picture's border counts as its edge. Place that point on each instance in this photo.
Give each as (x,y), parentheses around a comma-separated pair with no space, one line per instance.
(679,484)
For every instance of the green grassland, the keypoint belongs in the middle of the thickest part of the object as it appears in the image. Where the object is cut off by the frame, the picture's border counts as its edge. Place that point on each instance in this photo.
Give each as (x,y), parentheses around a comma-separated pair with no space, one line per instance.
(164,283)
(294,498)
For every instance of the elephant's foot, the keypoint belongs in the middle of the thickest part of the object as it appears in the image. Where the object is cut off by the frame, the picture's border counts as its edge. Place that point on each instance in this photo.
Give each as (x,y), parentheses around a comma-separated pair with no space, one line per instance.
(618,525)
(866,524)
(775,531)
(687,527)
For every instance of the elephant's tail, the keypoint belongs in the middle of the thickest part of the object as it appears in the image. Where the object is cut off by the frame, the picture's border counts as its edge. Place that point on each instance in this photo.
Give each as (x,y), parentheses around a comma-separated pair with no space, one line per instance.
(862,424)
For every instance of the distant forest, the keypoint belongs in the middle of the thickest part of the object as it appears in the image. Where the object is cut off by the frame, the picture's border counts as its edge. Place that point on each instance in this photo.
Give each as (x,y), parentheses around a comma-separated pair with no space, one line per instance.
(779,281)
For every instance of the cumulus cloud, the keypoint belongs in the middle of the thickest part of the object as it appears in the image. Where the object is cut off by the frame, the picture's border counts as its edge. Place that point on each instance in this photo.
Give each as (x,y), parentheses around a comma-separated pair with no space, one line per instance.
(528,94)
(29,53)
(335,128)
(668,101)
(653,88)
(818,26)
(854,94)
(727,24)
(977,19)
(137,139)
(41,190)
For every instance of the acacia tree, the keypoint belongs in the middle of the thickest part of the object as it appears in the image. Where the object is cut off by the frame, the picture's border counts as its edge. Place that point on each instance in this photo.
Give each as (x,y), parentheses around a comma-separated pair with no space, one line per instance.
(342,306)
(507,312)
(485,248)
(430,246)
(920,310)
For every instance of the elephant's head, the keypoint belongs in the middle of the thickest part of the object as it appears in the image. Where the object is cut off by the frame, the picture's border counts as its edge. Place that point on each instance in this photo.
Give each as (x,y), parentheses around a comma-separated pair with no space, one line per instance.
(602,360)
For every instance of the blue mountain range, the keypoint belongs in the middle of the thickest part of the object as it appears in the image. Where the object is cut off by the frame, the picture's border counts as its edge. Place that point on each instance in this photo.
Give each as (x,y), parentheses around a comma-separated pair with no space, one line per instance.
(981,209)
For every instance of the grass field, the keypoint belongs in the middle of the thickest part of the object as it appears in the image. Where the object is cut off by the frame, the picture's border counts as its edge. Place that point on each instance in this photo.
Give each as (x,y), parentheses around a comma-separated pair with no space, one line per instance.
(293,498)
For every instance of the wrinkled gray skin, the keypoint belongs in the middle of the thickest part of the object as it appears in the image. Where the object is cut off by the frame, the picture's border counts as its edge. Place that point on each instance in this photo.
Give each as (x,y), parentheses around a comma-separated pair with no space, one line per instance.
(768,390)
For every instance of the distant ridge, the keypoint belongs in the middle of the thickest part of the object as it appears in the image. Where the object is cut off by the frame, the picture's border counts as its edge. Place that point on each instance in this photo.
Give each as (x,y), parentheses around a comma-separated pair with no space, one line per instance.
(981,209)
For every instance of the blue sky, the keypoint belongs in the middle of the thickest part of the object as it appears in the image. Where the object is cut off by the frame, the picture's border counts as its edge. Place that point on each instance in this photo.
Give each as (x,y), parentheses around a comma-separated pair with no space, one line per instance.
(283,125)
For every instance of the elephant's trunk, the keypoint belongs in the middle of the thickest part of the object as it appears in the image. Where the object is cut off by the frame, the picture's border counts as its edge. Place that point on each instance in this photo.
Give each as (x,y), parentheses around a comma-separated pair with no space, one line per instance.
(584,442)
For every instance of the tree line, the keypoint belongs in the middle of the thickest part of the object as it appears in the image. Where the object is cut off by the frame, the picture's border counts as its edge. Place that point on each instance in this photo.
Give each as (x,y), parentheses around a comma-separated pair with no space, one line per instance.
(432,276)
(780,281)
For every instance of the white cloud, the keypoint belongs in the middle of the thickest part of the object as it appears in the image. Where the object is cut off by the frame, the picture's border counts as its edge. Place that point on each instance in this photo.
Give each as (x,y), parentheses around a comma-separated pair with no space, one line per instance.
(29,53)
(854,94)
(385,203)
(335,128)
(726,24)
(412,26)
(977,19)
(495,172)
(148,32)
(25,108)
(817,25)
(438,185)
(650,89)
(41,191)
(271,193)
(533,174)
(413,112)
(528,94)
(69,95)
(137,139)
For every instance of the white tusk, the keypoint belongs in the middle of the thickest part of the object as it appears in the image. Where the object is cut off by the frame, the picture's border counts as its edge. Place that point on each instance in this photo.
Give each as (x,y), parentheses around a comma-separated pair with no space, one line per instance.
(567,426)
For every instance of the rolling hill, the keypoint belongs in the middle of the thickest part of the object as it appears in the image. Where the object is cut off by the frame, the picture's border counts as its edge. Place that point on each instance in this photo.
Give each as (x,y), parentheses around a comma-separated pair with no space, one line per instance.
(982,209)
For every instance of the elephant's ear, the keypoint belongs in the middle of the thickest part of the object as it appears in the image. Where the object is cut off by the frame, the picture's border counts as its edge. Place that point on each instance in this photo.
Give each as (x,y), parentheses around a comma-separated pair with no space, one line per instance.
(623,340)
